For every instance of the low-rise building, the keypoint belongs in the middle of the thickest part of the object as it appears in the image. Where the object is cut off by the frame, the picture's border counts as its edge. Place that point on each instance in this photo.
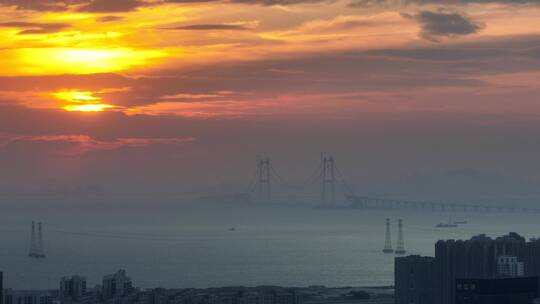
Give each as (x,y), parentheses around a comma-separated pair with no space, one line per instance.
(29,297)
(517,290)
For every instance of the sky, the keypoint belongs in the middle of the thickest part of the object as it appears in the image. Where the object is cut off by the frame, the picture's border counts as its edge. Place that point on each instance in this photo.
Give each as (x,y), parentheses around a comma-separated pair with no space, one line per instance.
(169,98)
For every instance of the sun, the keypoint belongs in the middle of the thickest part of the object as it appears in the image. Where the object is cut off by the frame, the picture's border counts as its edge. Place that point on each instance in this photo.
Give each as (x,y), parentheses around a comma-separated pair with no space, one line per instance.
(81,101)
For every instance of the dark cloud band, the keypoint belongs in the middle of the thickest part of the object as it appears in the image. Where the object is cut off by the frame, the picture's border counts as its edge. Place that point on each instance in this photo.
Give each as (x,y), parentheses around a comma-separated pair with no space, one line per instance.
(28,28)
(392,3)
(108,6)
(210,27)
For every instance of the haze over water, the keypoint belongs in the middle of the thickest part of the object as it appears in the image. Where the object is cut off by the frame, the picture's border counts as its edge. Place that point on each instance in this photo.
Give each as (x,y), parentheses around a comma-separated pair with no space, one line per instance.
(190,245)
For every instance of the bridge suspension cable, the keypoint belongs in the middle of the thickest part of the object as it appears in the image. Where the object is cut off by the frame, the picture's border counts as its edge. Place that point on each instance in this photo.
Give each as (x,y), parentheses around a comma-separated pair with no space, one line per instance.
(310,180)
(348,189)
(253,182)
(326,173)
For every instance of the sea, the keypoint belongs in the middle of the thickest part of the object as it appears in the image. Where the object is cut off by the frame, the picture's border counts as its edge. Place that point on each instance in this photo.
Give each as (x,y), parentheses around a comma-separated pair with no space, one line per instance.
(200,244)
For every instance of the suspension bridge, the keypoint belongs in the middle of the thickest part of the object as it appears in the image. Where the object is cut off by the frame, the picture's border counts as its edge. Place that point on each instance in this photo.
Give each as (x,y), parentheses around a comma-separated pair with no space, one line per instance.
(327,180)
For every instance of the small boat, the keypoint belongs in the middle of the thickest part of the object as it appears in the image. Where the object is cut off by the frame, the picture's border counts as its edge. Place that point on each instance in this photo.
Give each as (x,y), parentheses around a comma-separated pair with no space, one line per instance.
(446,225)
(232,229)
(460,222)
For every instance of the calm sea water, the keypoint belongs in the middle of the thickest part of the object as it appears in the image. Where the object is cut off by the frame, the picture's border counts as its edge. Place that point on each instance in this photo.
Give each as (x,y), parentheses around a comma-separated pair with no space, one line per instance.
(192,246)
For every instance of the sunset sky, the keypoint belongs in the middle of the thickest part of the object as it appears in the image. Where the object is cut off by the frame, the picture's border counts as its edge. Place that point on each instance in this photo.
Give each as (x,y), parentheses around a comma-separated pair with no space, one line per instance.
(414,97)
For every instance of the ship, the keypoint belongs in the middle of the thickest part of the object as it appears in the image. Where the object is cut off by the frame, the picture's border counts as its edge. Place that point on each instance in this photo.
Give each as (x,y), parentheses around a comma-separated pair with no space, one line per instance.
(446,225)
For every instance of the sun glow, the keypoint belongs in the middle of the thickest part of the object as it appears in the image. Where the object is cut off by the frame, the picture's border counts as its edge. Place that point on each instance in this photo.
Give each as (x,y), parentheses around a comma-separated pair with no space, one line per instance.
(81,101)
(97,107)
(82,61)
(76,96)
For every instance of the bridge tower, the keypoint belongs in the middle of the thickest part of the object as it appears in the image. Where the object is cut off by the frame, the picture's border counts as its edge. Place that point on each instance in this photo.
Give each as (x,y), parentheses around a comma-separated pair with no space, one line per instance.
(401,244)
(388,240)
(263,176)
(328,180)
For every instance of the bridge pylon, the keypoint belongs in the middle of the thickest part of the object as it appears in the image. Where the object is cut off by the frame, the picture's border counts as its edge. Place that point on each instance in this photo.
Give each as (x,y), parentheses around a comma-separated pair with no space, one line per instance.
(388,241)
(36,243)
(400,249)
(263,180)
(328,166)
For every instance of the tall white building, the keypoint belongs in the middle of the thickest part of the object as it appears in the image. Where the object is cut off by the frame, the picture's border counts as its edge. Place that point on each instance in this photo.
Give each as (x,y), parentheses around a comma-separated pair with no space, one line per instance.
(509,266)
